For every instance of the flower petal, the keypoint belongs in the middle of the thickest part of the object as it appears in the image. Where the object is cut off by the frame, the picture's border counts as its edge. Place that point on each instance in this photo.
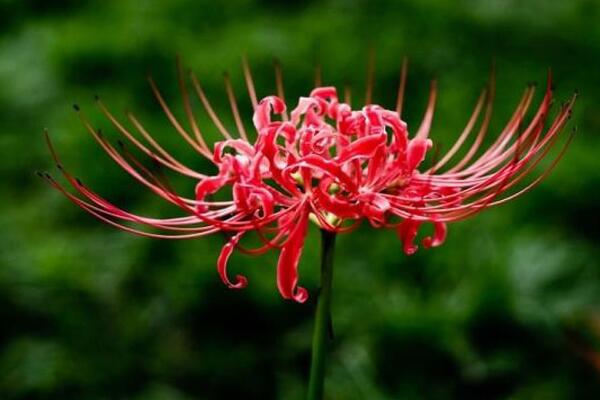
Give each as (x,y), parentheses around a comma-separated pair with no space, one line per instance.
(407,232)
(241,281)
(328,167)
(262,114)
(439,235)
(416,152)
(362,148)
(287,267)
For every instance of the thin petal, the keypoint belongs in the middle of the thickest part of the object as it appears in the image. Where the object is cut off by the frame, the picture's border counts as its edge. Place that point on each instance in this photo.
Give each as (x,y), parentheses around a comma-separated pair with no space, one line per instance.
(439,235)
(407,232)
(416,152)
(287,267)
(241,281)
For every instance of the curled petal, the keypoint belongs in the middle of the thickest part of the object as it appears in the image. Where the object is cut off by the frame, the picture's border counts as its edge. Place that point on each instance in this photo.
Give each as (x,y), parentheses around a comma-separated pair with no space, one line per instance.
(398,128)
(288,131)
(262,114)
(328,97)
(250,197)
(264,200)
(361,148)
(407,232)
(241,281)
(374,207)
(208,186)
(440,230)
(325,93)
(376,165)
(337,206)
(416,152)
(287,266)
(240,146)
(374,119)
(329,168)
(304,104)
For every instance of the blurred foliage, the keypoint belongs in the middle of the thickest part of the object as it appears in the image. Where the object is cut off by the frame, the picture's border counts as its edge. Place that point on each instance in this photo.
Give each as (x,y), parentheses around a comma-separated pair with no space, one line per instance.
(508,308)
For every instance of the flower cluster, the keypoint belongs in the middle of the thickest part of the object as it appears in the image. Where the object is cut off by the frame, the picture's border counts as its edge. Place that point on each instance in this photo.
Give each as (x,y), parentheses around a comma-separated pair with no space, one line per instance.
(325,162)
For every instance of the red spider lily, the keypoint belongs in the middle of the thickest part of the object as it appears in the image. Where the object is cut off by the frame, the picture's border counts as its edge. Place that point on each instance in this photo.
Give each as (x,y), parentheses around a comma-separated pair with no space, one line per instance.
(325,162)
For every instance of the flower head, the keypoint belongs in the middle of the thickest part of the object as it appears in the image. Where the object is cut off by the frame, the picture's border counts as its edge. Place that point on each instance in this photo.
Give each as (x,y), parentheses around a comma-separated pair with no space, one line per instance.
(323,161)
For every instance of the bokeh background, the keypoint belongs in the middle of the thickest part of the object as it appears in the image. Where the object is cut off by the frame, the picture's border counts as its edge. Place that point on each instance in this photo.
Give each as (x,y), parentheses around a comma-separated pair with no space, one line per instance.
(507,308)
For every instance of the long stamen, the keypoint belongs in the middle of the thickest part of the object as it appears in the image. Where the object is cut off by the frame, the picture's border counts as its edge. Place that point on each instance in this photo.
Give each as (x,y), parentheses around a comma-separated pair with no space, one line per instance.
(209,110)
(318,75)
(424,128)
(249,82)
(401,87)
(543,176)
(516,117)
(234,107)
(279,83)
(140,128)
(504,139)
(109,208)
(370,76)
(347,94)
(170,116)
(114,154)
(168,160)
(511,169)
(188,108)
(468,129)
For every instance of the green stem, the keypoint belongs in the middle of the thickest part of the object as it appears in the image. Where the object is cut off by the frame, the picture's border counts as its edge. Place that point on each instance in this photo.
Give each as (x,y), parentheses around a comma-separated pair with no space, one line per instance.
(322,319)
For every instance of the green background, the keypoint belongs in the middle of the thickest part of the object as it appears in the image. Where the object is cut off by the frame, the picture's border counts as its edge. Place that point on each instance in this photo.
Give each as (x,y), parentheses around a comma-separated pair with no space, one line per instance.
(507,308)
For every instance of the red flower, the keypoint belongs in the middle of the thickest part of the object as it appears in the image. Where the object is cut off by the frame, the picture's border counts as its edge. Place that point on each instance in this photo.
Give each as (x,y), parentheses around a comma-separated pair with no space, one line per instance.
(325,162)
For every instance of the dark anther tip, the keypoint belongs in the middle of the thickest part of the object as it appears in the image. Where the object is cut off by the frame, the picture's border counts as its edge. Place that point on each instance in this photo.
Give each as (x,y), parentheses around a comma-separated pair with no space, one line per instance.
(576,92)
(47,175)
(225,74)
(78,181)
(120,143)
(96,97)
(99,132)
(59,166)
(38,173)
(76,107)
